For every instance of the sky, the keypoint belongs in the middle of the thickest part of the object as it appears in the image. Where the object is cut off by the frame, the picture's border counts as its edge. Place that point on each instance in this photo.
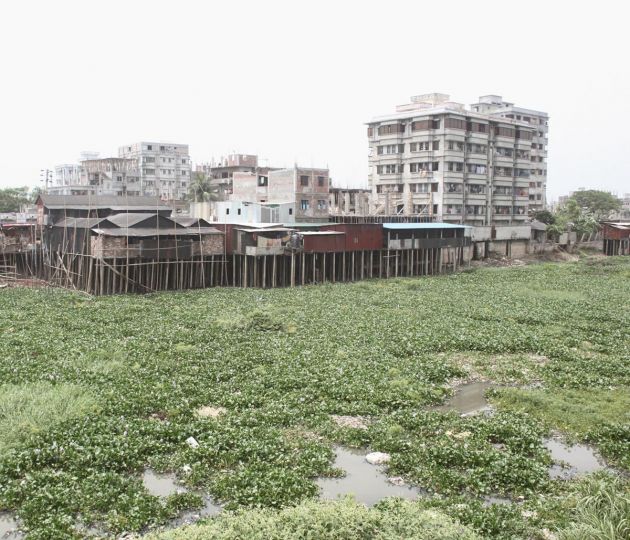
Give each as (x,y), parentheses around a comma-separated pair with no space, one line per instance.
(295,82)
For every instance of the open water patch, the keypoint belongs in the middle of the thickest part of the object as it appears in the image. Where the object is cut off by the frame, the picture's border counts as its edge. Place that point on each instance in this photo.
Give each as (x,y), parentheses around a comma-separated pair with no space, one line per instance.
(164,485)
(571,460)
(9,529)
(468,399)
(368,483)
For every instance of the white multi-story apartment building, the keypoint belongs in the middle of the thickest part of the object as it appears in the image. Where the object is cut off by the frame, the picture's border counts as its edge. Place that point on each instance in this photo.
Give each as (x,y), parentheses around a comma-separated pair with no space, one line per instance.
(164,168)
(68,176)
(435,158)
(495,106)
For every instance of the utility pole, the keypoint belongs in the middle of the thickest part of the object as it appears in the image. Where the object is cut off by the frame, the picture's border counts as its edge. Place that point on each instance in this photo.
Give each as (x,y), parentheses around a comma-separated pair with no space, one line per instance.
(46,176)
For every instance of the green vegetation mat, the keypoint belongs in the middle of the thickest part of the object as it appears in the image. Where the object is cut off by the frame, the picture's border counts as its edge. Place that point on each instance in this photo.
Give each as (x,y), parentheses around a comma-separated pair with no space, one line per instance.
(95,390)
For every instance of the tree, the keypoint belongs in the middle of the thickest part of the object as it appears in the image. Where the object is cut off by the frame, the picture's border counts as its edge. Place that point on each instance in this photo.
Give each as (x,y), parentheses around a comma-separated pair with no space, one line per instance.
(598,203)
(544,216)
(11,199)
(201,189)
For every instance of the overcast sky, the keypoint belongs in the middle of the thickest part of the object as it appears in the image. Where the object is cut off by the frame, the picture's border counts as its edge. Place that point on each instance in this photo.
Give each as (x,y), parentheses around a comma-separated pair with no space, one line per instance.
(296,81)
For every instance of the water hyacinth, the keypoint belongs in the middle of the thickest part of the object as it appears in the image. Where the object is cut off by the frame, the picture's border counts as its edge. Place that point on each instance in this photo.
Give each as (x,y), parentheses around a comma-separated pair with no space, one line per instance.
(268,383)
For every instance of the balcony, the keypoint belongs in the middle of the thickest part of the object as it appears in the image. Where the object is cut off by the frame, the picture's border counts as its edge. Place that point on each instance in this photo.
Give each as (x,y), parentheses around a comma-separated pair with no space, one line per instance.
(476,197)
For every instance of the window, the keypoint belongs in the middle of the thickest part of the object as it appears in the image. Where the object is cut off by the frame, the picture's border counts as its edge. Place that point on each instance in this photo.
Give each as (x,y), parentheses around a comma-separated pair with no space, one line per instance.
(525,135)
(161,148)
(502,131)
(420,125)
(456,145)
(424,166)
(224,175)
(389,169)
(455,166)
(370,131)
(227,211)
(304,180)
(477,127)
(149,171)
(304,204)
(321,180)
(475,210)
(149,147)
(455,123)
(419,146)
(453,209)
(263,180)
(420,188)
(321,204)
(149,160)
(453,188)
(504,152)
(436,144)
(238,211)
(475,189)
(119,178)
(476,148)
(290,211)
(390,149)
(391,128)
(502,190)
(183,162)
(474,168)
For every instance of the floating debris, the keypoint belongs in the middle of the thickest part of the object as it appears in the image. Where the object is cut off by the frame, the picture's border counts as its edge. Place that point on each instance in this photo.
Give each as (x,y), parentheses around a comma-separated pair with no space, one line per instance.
(192,442)
(367,483)
(377,458)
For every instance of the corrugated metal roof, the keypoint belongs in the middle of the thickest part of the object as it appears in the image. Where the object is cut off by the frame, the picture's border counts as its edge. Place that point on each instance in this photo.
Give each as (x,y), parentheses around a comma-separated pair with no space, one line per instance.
(320,233)
(408,226)
(271,229)
(86,202)
(132,218)
(150,231)
(190,221)
(79,223)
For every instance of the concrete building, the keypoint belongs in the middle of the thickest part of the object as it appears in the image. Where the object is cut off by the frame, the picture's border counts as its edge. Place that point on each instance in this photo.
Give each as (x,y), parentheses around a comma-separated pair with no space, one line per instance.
(68,177)
(305,189)
(163,168)
(436,158)
(348,201)
(221,172)
(495,106)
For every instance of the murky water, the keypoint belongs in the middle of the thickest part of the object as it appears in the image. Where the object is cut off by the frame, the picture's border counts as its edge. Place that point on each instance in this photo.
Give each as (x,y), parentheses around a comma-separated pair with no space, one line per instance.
(161,485)
(468,398)
(368,483)
(8,528)
(209,509)
(581,459)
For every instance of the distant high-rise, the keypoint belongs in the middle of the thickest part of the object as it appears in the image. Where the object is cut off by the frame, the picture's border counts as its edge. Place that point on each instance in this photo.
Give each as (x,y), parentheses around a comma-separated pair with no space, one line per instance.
(163,168)
(436,158)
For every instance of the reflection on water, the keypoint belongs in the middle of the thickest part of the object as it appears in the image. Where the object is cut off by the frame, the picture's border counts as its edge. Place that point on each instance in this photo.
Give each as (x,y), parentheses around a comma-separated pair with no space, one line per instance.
(366,482)
(8,528)
(468,398)
(581,459)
